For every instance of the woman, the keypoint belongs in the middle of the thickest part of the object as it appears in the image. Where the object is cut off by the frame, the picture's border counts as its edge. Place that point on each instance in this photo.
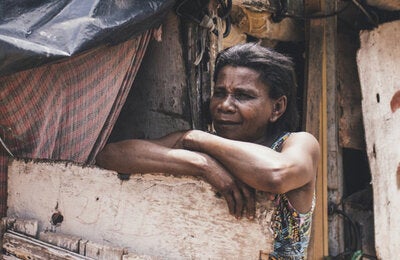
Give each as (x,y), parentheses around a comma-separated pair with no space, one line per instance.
(254,146)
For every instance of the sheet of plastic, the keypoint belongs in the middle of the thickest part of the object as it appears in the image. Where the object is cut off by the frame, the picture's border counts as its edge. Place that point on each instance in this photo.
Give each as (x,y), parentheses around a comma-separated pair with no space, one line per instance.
(35,32)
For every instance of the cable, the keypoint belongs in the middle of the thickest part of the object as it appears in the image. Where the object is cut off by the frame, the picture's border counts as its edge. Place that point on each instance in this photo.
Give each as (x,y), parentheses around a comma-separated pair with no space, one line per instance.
(206,21)
(356,3)
(225,8)
(354,230)
(6,148)
(355,250)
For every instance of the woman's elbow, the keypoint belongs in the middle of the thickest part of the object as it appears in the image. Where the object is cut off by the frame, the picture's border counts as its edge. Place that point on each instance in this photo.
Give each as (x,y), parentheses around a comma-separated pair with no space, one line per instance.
(273,182)
(105,156)
(276,184)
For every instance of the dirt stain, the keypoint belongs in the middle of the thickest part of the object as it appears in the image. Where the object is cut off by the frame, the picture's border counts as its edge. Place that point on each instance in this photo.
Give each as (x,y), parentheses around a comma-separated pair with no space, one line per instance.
(398,176)
(395,102)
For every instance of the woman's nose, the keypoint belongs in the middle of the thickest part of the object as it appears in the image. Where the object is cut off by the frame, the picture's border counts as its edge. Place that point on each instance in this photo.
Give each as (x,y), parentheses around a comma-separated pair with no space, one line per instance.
(227,105)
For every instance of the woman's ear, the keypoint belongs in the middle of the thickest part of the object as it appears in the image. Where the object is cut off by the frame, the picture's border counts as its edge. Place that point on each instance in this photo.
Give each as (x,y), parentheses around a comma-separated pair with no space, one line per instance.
(278,108)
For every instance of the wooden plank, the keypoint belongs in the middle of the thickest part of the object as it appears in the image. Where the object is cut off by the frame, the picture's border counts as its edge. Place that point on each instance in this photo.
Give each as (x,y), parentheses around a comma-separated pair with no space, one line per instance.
(139,257)
(315,120)
(379,65)
(9,257)
(25,247)
(334,165)
(351,129)
(312,6)
(153,215)
(65,241)
(312,124)
(99,251)
(24,226)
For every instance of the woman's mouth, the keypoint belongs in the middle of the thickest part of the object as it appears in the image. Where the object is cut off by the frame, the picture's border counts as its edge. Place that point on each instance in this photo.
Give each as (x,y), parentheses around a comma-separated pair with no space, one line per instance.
(226,123)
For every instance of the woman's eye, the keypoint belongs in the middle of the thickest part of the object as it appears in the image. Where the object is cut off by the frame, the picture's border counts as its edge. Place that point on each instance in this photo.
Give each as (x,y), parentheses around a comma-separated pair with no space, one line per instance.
(243,96)
(219,94)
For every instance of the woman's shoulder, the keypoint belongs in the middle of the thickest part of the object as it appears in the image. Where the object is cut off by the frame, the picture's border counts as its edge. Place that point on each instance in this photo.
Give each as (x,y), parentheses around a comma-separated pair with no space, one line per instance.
(303,144)
(303,134)
(302,139)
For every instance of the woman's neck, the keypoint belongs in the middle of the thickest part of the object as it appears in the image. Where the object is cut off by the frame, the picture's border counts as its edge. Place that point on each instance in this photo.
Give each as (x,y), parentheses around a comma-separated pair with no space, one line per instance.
(269,138)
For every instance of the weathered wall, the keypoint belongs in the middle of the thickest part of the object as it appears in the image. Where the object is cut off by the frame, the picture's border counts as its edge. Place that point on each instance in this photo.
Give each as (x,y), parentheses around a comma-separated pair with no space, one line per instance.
(351,130)
(158,102)
(379,66)
(154,215)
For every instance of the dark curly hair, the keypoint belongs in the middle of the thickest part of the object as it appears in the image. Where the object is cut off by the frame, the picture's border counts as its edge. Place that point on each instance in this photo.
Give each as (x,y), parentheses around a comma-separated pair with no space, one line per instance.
(276,72)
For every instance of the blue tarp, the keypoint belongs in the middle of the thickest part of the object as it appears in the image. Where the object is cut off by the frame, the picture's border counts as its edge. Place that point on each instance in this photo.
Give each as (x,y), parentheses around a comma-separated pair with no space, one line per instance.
(35,32)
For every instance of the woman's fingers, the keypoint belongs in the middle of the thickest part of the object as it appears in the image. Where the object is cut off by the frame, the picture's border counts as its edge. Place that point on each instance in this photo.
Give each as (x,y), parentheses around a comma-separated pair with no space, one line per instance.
(249,198)
(237,195)
(235,201)
(230,201)
(250,203)
(240,199)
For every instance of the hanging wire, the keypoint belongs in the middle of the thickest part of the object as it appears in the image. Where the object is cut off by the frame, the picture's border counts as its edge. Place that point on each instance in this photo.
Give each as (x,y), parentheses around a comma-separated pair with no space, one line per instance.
(206,21)
(355,251)
(371,20)
(6,148)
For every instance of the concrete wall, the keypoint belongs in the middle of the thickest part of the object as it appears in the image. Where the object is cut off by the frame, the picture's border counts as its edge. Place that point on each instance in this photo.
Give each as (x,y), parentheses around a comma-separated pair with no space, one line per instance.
(153,215)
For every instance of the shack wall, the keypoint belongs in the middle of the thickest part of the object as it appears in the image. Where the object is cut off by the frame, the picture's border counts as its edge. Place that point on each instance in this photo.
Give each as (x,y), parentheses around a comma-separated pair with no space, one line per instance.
(379,66)
(158,102)
(159,216)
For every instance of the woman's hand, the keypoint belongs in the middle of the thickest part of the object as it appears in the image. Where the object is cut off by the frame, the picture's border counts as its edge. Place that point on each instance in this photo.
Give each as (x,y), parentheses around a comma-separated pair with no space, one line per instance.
(191,139)
(238,195)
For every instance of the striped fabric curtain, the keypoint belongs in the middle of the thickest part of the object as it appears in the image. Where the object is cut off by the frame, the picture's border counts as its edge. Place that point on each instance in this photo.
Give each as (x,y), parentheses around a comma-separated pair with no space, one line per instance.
(66,110)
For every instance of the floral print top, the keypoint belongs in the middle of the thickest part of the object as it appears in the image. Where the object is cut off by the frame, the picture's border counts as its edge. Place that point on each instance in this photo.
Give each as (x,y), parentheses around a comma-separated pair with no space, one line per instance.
(291,229)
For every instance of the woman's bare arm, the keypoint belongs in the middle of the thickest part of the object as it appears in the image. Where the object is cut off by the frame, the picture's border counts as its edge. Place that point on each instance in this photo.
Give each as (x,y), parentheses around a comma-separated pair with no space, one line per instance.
(143,156)
(259,166)
(162,156)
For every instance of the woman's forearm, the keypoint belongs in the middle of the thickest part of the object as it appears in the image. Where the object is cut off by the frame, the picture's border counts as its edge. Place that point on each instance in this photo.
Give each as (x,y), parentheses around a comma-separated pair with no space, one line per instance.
(254,164)
(258,166)
(141,156)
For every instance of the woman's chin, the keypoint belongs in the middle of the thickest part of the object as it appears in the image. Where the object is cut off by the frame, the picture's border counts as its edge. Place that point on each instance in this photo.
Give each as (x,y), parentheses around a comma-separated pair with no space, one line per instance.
(227,134)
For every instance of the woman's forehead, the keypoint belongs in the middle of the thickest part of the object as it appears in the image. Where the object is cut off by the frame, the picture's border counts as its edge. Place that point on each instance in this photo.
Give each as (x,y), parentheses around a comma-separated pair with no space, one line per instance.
(239,77)
(238,70)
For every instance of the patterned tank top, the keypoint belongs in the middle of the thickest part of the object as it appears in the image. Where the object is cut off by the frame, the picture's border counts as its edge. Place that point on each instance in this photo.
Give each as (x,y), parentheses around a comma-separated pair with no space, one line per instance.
(291,228)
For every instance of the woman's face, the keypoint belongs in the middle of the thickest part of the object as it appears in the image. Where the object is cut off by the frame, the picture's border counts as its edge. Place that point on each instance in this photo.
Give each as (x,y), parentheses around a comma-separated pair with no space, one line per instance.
(240,106)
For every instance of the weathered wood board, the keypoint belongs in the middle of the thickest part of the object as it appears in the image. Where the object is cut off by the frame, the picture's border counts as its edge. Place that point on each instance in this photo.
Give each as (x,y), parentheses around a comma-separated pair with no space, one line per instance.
(391,5)
(25,247)
(152,215)
(379,66)
(351,129)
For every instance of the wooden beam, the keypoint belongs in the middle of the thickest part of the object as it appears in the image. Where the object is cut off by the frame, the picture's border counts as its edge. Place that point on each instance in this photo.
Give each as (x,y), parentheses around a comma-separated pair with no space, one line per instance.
(312,6)
(315,123)
(25,247)
(320,118)
(334,162)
